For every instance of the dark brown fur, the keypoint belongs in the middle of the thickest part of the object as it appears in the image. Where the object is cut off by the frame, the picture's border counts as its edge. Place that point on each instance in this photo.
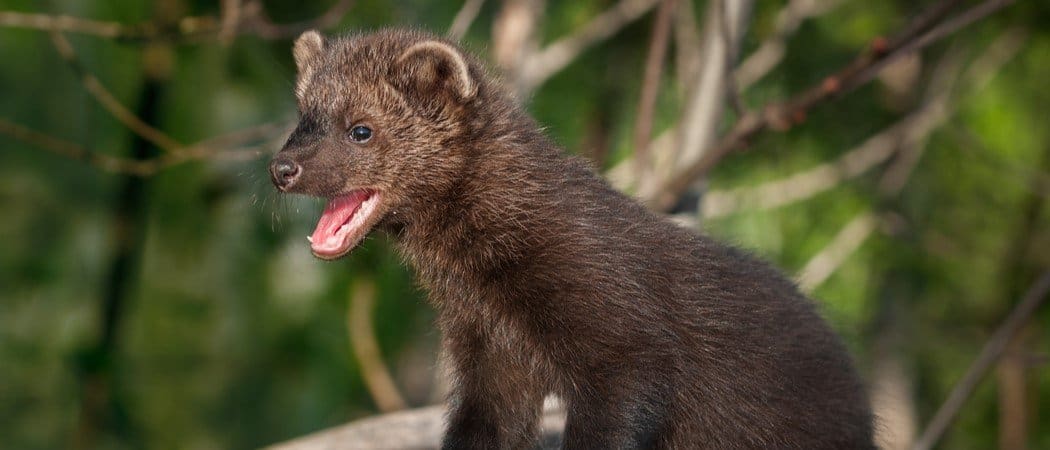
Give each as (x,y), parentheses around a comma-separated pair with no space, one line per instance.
(547,280)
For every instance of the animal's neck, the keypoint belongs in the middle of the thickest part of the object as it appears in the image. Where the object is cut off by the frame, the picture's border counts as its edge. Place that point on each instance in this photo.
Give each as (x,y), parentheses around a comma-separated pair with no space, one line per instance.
(496,218)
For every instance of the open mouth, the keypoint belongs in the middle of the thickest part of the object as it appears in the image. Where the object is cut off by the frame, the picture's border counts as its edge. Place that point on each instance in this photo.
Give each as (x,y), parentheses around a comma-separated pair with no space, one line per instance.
(345,222)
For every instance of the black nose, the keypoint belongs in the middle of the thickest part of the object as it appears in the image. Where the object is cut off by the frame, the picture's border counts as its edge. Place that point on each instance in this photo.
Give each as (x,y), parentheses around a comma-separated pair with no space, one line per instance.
(283,172)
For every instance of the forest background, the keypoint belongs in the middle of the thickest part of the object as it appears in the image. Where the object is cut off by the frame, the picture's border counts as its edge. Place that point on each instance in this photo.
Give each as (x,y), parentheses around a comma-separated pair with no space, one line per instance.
(156,292)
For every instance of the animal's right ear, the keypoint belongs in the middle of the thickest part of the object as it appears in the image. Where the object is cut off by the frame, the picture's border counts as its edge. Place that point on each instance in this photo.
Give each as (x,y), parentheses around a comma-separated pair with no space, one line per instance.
(307,53)
(433,71)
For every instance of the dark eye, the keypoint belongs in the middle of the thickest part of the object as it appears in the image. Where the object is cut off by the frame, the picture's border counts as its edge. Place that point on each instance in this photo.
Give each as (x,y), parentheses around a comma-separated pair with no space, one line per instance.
(360,133)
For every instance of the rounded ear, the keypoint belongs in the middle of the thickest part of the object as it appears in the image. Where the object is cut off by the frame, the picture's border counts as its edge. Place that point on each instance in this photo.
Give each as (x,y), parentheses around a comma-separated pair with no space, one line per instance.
(307,51)
(432,68)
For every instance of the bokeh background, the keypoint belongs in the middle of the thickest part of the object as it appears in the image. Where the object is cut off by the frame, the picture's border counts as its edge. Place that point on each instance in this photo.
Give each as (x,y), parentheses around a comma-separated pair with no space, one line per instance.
(155,292)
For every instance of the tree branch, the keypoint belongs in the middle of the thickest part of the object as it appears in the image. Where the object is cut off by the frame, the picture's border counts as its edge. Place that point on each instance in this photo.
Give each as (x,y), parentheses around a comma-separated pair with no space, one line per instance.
(363,342)
(782,115)
(236,150)
(416,429)
(464,17)
(108,101)
(702,113)
(252,19)
(829,259)
(771,51)
(991,352)
(654,64)
(556,56)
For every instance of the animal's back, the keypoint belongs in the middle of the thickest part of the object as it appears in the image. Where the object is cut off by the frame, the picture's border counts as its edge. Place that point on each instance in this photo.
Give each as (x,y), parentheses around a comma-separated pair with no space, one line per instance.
(752,364)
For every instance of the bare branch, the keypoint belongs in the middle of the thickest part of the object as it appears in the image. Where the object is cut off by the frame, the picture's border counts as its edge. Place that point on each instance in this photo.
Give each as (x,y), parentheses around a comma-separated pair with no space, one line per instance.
(251,16)
(44,22)
(907,137)
(514,39)
(362,339)
(705,104)
(654,64)
(416,429)
(909,141)
(828,260)
(231,16)
(771,51)
(556,56)
(73,151)
(687,45)
(143,168)
(935,33)
(773,194)
(991,352)
(782,115)
(464,17)
(256,20)
(730,26)
(109,101)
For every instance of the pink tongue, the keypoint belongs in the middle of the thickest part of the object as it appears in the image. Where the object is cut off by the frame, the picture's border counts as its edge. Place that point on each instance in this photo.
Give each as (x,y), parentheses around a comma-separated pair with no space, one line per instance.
(336,213)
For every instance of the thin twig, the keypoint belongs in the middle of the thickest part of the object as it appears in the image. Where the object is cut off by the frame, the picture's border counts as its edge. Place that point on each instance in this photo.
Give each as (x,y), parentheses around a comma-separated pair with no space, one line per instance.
(252,19)
(782,115)
(237,150)
(771,51)
(810,182)
(831,257)
(991,352)
(363,342)
(68,24)
(908,138)
(73,150)
(687,46)
(109,101)
(231,17)
(934,34)
(514,40)
(732,43)
(260,24)
(703,111)
(464,17)
(654,64)
(904,137)
(556,56)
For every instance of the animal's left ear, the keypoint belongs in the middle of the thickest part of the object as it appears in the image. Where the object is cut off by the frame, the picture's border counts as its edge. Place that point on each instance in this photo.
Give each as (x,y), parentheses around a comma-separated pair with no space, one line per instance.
(433,69)
(307,52)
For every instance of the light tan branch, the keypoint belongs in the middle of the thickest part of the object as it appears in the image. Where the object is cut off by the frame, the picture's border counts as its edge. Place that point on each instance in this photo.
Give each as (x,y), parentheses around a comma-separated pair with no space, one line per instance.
(251,19)
(255,20)
(771,51)
(237,150)
(784,114)
(991,353)
(654,65)
(363,342)
(828,260)
(74,151)
(702,114)
(108,101)
(68,24)
(414,429)
(464,17)
(556,56)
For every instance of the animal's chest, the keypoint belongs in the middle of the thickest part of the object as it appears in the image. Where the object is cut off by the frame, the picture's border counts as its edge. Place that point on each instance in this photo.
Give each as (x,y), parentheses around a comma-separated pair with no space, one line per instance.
(507,323)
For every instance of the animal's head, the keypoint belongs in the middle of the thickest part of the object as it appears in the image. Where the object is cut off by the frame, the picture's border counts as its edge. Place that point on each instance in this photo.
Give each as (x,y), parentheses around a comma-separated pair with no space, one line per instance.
(381,121)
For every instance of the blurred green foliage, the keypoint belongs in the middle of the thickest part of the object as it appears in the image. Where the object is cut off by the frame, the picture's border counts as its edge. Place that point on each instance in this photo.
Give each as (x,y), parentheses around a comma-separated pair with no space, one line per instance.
(233,336)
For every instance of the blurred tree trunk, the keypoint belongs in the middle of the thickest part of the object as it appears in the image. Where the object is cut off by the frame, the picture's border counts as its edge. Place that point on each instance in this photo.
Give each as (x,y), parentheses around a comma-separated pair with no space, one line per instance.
(102,412)
(1018,270)
(1013,404)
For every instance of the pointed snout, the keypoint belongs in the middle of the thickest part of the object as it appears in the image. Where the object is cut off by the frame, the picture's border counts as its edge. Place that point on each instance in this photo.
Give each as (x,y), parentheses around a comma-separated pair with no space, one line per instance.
(284,172)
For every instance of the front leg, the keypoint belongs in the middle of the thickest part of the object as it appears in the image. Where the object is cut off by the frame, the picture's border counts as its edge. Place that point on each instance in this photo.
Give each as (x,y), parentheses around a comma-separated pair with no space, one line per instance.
(493,403)
(618,414)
